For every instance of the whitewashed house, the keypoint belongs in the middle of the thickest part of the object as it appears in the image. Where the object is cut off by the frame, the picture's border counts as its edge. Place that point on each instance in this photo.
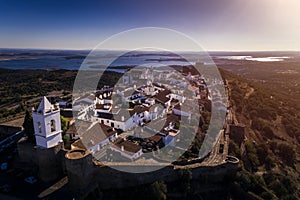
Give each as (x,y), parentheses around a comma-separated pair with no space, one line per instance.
(96,135)
(127,149)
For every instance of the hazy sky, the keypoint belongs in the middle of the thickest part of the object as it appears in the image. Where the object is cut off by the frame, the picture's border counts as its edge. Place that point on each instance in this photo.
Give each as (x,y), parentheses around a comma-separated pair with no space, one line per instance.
(215,24)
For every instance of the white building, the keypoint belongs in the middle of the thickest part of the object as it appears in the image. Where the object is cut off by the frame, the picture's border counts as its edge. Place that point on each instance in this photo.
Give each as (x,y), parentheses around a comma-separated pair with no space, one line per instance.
(127,149)
(170,135)
(47,125)
(119,120)
(95,136)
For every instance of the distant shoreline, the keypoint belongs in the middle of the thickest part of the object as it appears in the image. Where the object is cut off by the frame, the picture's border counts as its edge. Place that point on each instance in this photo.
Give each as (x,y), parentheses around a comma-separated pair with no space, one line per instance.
(73,59)
(116,69)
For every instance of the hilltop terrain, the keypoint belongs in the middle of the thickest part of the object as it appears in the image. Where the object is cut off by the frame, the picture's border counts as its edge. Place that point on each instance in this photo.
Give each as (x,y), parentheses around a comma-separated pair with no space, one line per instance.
(264,97)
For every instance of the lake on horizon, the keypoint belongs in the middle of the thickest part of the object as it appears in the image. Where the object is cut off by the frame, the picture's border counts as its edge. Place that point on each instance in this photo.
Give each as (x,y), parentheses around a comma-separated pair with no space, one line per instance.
(72,60)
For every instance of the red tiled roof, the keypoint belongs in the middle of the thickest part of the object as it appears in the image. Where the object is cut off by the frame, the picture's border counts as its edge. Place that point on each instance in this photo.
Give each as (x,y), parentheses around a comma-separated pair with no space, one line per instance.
(78,144)
(161,96)
(101,106)
(172,118)
(177,106)
(138,110)
(156,138)
(127,145)
(108,131)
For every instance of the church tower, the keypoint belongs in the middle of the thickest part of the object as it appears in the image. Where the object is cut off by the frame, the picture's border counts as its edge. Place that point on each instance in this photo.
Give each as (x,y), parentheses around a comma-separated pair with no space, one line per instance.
(47,125)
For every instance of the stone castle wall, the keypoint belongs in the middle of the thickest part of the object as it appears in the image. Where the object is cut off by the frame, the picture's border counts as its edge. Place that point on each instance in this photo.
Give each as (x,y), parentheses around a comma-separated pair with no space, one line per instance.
(84,174)
(26,151)
(91,174)
(50,162)
(79,171)
(8,130)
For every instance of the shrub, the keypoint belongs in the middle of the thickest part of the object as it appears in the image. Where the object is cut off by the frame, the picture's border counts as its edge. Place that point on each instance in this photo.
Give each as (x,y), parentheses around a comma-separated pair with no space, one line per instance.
(251,155)
(287,154)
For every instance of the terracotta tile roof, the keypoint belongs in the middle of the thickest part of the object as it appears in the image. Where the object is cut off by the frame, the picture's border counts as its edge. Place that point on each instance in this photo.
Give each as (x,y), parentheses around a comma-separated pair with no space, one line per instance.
(172,118)
(128,146)
(78,144)
(156,138)
(161,96)
(177,106)
(107,130)
(138,110)
(101,106)
(165,123)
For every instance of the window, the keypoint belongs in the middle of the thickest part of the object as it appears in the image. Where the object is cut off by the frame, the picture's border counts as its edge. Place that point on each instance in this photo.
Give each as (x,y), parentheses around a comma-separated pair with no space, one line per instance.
(52,125)
(40,127)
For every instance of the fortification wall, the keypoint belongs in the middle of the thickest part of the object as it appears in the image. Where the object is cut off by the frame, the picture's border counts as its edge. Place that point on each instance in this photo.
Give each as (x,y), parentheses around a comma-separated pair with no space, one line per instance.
(84,174)
(8,130)
(104,177)
(108,178)
(26,151)
(50,162)
(79,168)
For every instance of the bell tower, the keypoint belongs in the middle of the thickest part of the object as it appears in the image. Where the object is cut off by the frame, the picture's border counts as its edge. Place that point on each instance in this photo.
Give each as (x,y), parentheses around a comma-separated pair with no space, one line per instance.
(47,125)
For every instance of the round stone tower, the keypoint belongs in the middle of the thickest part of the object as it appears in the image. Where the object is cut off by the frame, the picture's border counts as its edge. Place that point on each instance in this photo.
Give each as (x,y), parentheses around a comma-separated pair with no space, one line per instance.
(79,166)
